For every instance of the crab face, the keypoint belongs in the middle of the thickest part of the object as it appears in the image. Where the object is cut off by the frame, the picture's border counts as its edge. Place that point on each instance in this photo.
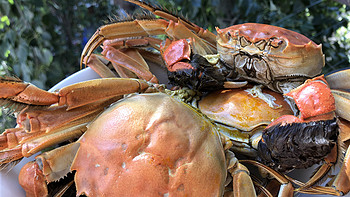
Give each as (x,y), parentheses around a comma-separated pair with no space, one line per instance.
(268,54)
(125,156)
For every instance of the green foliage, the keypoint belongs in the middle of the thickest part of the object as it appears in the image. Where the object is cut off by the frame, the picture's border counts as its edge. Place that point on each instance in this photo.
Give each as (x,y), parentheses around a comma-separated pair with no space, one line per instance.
(24,44)
(41,40)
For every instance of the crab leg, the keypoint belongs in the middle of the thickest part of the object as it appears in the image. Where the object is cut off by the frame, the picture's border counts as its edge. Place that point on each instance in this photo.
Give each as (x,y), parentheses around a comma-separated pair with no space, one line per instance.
(342,103)
(145,27)
(204,34)
(286,188)
(133,43)
(270,190)
(83,93)
(73,96)
(10,137)
(56,163)
(14,90)
(49,166)
(125,60)
(44,140)
(134,55)
(340,86)
(242,183)
(342,181)
(131,60)
(339,80)
(330,160)
(97,64)
(45,128)
(36,122)
(80,103)
(32,180)
(344,126)
(315,189)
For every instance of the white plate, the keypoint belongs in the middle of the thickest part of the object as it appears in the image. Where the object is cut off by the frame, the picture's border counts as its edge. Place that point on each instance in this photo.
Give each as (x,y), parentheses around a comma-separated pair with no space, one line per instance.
(9,180)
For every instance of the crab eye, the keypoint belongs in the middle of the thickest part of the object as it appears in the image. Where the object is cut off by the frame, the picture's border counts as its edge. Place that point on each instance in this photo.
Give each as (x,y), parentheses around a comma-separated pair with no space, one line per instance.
(232,35)
(275,42)
(261,44)
(228,35)
(244,42)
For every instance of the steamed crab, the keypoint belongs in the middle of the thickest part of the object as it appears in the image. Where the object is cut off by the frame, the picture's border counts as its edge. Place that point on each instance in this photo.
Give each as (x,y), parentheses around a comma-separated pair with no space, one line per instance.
(149,143)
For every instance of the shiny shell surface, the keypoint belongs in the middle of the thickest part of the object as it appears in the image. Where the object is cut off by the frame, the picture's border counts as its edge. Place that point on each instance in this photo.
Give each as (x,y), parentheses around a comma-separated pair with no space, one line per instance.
(150,145)
(239,109)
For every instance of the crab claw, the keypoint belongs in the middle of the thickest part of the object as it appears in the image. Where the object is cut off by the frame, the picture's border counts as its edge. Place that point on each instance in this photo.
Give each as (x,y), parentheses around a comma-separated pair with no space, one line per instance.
(290,139)
(313,98)
(189,66)
(175,53)
(32,180)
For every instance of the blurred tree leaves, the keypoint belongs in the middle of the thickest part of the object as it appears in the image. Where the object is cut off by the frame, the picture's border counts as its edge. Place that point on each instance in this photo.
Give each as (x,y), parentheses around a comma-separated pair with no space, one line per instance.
(41,40)
(24,45)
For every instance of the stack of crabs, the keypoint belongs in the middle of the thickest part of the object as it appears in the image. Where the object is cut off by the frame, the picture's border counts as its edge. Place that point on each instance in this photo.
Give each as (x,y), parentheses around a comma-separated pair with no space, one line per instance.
(252,89)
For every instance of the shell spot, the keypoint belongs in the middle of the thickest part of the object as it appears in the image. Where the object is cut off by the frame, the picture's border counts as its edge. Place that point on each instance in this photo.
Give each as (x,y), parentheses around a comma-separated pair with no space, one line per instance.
(105,171)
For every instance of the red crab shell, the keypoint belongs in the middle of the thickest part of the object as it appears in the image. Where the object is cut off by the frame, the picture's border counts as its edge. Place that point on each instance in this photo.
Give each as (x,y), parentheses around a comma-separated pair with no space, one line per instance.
(150,144)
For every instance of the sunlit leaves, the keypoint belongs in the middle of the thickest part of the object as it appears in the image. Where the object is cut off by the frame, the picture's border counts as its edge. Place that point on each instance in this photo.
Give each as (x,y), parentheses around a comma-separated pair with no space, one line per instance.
(6,54)
(4,20)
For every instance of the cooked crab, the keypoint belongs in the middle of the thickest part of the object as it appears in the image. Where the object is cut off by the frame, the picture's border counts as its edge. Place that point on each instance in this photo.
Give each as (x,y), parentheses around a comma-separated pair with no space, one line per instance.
(276,57)
(194,58)
(119,151)
(155,154)
(55,164)
(288,142)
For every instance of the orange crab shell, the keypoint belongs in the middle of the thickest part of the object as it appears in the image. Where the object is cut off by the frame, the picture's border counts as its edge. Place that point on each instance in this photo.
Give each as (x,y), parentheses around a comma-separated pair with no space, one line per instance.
(239,109)
(297,55)
(147,145)
(255,32)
